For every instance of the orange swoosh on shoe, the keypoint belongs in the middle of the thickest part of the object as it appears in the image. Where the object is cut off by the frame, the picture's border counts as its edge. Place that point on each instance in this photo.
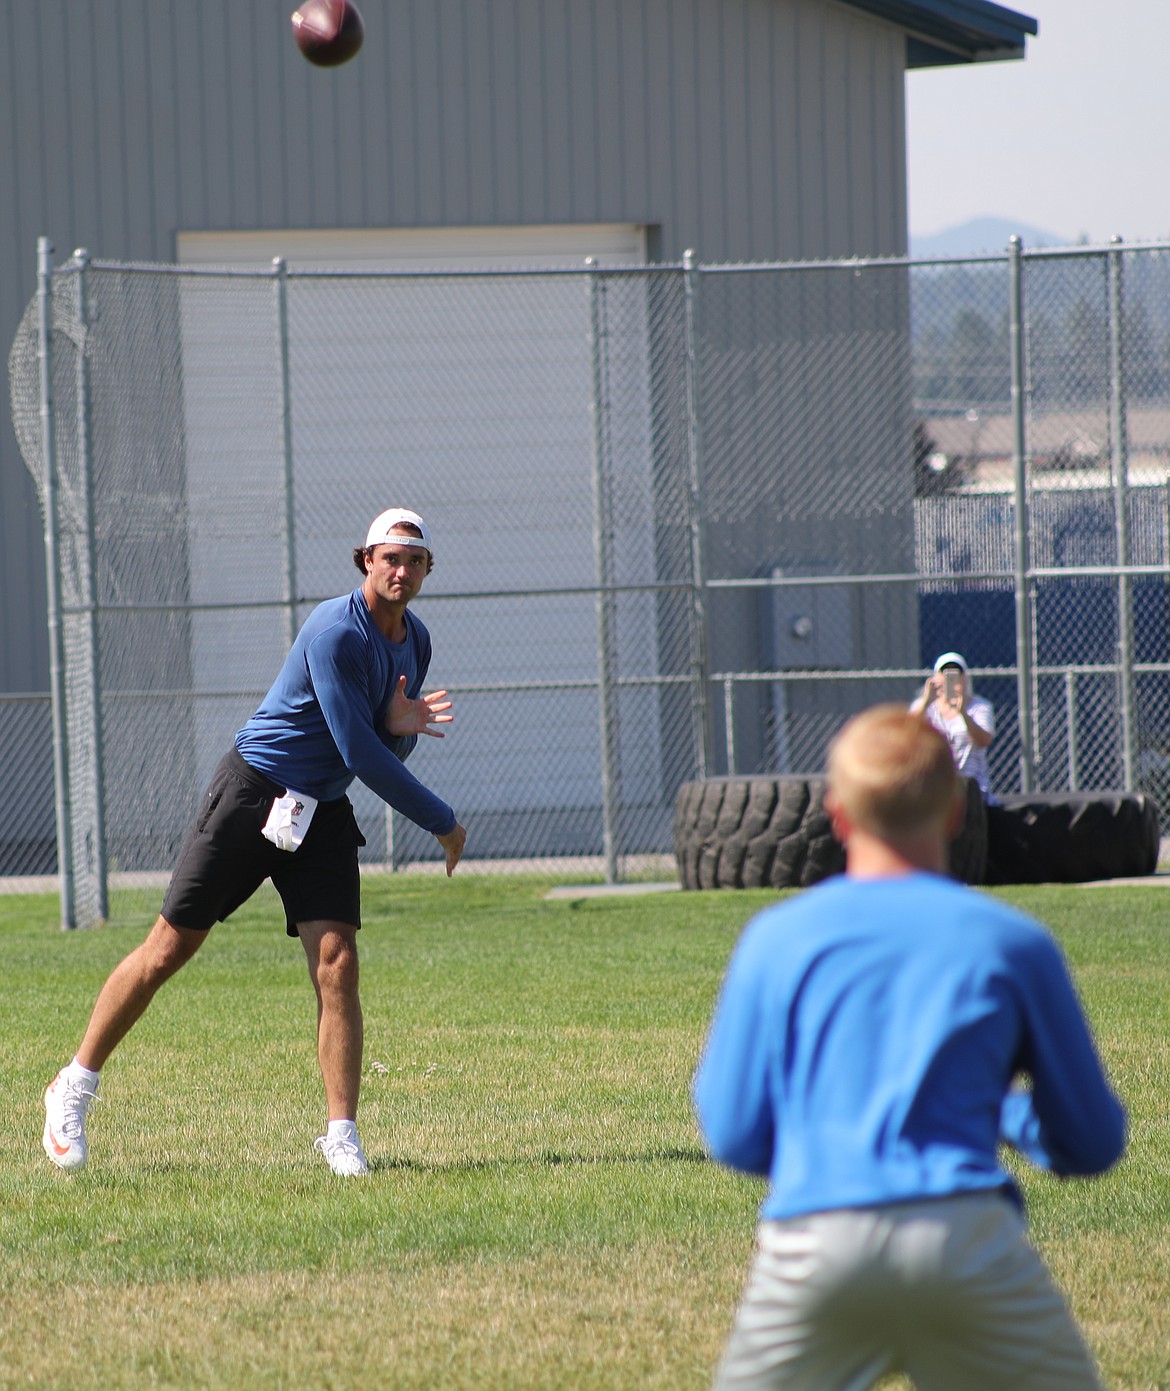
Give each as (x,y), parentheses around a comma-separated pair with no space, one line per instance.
(57,1145)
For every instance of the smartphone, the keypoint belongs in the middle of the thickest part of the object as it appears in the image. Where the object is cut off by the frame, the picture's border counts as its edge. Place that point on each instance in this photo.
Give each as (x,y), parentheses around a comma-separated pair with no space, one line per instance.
(953,684)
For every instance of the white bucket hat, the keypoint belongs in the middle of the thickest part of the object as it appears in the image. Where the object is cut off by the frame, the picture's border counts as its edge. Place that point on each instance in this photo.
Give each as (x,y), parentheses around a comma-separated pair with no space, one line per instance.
(951,659)
(382,530)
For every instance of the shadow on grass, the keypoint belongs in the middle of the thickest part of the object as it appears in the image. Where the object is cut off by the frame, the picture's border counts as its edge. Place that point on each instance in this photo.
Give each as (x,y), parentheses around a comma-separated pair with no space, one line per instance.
(683,1154)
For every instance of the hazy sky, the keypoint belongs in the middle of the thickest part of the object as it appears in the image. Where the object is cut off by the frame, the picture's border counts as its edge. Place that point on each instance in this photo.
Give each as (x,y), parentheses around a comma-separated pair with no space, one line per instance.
(1074,140)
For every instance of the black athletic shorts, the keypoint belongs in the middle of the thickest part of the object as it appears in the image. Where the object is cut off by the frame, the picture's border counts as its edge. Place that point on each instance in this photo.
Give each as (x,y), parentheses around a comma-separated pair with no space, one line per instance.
(224,859)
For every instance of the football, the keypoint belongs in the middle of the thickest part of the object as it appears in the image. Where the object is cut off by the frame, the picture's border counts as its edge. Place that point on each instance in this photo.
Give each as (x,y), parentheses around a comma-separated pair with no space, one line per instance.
(328,32)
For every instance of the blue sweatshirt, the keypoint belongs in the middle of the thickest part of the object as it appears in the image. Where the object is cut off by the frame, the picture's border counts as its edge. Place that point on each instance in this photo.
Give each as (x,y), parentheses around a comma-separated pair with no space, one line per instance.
(322,723)
(866,1038)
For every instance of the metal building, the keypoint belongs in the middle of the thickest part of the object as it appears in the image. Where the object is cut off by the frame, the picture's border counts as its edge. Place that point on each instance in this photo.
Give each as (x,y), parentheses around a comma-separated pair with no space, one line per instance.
(754,130)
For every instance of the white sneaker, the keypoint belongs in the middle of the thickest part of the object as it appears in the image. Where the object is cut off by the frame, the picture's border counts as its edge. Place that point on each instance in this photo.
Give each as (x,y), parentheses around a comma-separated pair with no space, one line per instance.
(66,1103)
(343,1153)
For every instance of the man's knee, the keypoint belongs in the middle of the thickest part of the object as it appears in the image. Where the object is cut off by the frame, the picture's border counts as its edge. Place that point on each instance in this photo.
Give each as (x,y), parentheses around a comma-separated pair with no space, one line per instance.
(333,960)
(167,948)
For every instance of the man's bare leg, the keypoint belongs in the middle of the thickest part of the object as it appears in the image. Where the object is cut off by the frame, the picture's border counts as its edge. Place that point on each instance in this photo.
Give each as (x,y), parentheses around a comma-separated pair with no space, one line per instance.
(131,986)
(121,1002)
(331,953)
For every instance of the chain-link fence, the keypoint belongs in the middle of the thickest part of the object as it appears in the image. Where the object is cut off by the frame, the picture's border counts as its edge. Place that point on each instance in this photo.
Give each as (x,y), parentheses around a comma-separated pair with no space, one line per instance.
(687,519)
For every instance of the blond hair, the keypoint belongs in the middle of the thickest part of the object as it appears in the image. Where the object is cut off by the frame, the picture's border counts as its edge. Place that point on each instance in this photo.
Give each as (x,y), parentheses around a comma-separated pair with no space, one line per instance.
(892,773)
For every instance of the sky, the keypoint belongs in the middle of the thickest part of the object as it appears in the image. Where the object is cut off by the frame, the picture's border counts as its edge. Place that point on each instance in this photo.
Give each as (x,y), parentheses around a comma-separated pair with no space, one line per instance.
(1073,140)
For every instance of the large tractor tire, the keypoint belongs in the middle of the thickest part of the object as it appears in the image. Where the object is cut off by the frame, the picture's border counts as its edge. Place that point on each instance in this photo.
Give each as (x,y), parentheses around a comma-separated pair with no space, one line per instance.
(968,850)
(1071,838)
(753,833)
(773,832)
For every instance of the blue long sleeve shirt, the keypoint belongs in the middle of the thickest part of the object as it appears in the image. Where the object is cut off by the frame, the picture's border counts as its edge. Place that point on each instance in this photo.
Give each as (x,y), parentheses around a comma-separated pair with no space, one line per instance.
(322,723)
(865,1042)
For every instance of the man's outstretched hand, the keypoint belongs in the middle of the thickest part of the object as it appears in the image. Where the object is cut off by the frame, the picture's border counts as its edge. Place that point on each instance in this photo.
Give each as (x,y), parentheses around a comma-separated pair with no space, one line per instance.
(405,716)
(453,843)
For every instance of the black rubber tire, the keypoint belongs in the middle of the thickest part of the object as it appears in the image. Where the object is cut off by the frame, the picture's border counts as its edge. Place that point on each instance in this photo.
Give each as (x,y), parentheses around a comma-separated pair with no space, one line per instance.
(773,832)
(1072,838)
(968,850)
(754,833)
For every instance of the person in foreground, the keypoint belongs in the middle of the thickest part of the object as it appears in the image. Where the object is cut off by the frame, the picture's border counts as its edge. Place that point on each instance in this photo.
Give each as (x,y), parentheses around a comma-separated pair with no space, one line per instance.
(345,704)
(867,1054)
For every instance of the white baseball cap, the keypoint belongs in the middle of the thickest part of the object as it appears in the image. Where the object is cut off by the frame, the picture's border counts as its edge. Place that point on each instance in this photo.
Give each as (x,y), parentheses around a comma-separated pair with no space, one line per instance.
(382,530)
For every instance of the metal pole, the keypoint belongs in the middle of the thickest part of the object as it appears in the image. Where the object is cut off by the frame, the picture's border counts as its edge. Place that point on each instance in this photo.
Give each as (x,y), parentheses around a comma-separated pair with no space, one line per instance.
(56,635)
(1074,741)
(1119,460)
(602,558)
(286,442)
(98,866)
(1166,525)
(729,722)
(700,704)
(391,840)
(1022,560)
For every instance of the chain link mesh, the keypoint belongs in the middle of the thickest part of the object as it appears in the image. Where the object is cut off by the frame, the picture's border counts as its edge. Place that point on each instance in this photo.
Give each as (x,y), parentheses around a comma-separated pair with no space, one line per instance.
(686,519)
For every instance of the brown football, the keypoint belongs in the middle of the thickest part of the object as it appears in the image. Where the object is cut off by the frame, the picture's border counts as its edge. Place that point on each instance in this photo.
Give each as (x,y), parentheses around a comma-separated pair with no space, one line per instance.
(328,32)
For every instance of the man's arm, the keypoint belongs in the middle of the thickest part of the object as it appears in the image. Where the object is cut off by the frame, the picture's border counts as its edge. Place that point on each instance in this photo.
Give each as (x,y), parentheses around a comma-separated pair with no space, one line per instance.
(453,843)
(400,725)
(407,718)
(731,1090)
(921,703)
(980,721)
(1071,1122)
(341,685)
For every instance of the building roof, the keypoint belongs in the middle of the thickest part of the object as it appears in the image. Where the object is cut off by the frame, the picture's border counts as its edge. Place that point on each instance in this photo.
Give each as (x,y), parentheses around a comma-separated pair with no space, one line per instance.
(939,32)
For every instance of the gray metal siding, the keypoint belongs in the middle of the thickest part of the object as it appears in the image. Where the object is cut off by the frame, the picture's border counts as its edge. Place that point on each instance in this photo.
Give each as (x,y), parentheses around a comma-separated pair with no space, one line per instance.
(707,118)
(747,129)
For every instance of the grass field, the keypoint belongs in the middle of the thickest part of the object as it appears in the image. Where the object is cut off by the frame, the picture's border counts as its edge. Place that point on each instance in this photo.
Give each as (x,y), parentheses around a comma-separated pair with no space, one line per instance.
(539,1214)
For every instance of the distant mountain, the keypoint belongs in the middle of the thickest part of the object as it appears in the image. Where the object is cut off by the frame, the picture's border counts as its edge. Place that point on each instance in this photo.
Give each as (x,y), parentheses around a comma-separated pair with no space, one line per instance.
(984,235)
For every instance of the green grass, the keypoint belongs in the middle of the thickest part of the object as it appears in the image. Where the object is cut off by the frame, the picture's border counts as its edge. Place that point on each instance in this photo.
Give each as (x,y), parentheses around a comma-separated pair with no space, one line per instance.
(540,1212)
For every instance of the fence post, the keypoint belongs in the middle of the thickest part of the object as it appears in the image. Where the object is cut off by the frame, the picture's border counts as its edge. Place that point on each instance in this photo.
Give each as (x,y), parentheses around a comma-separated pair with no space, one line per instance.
(52,575)
(1024,663)
(700,699)
(1119,462)
(729,723)
(280,266)
(99,866)
(603,568)
(1073,731)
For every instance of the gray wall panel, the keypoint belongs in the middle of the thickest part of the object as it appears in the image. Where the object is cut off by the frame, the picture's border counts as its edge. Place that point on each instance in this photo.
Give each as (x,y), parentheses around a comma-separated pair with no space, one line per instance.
(219,127)
(504,108)
(583,167)
(400,119)
(136,128)
(189,152)
(686,151)
(479,80)
(661,192)
(429,130)
(748,129)
(708,181)
(245,62)
(558,202)
(164,165)
(835,232)
(784,93)
(354,152)
(811,123)
(759,137)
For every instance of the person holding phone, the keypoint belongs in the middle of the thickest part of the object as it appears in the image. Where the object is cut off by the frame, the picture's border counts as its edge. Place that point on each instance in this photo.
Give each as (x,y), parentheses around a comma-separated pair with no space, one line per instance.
(967,720)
